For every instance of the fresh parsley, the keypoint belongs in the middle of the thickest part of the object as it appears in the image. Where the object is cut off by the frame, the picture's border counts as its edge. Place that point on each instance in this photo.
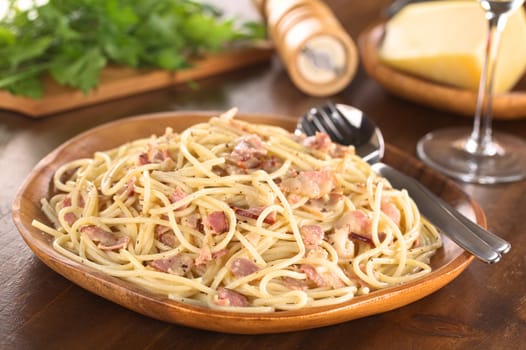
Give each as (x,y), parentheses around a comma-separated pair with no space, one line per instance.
(73,40)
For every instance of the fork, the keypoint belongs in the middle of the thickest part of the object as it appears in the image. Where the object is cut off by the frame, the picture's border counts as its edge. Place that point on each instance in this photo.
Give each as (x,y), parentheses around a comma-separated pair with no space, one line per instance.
(342,127)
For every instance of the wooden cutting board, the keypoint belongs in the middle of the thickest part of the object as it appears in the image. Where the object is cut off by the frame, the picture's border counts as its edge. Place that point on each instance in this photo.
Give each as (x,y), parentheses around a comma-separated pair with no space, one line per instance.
(118,82)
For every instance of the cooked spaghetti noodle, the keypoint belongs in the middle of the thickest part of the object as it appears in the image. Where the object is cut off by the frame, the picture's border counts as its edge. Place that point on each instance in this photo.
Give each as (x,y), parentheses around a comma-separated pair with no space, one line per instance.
(241,217)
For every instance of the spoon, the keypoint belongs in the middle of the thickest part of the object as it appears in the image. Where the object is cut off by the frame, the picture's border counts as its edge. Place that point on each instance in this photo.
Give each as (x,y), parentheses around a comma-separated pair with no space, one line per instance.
(350,126)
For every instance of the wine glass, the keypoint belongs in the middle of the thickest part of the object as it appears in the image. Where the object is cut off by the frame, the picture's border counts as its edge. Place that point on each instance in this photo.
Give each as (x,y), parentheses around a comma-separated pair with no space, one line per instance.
(483,155)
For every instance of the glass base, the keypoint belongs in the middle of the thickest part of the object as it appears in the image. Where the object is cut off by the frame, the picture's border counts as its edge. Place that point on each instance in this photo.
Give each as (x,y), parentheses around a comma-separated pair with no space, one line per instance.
(447,151)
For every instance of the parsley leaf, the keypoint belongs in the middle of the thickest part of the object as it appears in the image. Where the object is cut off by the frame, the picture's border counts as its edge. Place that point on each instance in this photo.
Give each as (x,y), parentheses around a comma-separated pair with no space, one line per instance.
(73,40)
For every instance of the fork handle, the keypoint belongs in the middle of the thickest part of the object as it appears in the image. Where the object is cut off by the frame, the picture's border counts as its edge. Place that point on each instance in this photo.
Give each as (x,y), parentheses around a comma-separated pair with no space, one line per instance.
(473,238)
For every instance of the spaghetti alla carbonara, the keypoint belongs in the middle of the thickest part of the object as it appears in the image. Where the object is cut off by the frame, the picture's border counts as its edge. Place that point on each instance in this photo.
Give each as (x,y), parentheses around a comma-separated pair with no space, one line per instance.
(241,217)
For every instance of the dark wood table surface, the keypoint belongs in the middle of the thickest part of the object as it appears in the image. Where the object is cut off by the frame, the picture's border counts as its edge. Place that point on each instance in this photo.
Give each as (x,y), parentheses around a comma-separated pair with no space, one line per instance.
(484,308)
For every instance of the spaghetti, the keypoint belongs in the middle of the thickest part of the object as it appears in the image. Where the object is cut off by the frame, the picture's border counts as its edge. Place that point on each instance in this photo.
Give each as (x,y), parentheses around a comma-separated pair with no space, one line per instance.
(241,217)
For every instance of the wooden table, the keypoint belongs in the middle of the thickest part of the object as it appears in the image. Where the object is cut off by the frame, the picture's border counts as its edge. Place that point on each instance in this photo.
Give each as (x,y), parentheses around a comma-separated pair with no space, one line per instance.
(484,308)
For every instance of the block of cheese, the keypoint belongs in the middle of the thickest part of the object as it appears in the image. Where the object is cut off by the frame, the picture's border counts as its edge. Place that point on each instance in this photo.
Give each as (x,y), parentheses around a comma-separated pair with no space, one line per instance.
(444,41)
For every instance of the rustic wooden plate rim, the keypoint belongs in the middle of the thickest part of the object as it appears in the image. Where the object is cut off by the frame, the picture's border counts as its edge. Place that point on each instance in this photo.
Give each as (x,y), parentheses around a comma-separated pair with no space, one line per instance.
(451,260)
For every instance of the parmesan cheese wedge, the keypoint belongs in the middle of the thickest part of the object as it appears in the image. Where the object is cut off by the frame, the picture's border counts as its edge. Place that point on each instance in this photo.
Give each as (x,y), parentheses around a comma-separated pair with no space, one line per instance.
(444,42)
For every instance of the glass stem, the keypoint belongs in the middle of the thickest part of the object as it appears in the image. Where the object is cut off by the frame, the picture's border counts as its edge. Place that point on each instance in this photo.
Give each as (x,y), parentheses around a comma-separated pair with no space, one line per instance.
(480,141)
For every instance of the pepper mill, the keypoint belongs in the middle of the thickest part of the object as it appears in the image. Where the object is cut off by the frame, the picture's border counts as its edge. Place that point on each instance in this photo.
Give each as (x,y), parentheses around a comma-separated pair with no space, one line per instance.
(320,57)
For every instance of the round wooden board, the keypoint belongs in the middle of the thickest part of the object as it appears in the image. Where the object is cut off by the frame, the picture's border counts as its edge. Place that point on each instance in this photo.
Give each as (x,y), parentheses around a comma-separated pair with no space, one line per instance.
(447,263)
(511,105)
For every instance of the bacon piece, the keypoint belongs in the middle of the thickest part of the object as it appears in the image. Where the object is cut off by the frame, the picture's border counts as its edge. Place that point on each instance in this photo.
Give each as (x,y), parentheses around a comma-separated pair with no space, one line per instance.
(312,184)
(312,235)
(324,204)
(292,283)
(366,239)
(342,244)
(248,151)
(194,221)
(361,238)
(154,155)
(271,164)
(143,159)
(220,253)
(241,267)
(179,264)
(255,212)
(130,187)
(66,202)
(216,222)
(313,275)
(166,235)
(70,218)
(323,143)
(392,211)
(169,239)
(205,255)
(106,240)
(320,141)
(158,156)
(355,221)
(176,196)
(229,297)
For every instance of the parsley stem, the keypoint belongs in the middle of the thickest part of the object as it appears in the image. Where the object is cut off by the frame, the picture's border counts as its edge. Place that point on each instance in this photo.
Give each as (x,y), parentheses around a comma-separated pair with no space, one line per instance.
(21,75)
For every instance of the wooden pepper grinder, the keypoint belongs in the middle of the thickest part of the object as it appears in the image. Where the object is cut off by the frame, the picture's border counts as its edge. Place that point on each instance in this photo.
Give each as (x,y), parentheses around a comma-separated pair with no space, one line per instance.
(319,55)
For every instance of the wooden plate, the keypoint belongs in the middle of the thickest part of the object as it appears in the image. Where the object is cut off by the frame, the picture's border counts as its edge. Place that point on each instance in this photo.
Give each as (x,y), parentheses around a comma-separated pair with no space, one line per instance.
(448,263)
(511,105)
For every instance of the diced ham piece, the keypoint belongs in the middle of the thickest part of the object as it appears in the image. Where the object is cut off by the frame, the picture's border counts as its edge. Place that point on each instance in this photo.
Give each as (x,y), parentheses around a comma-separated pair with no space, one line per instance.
(313,275)
(241,267)
(254,213)
(312,235)
(106,240)
(229,297)
(248,151)
(216,222)
(312,184)
(179,264)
